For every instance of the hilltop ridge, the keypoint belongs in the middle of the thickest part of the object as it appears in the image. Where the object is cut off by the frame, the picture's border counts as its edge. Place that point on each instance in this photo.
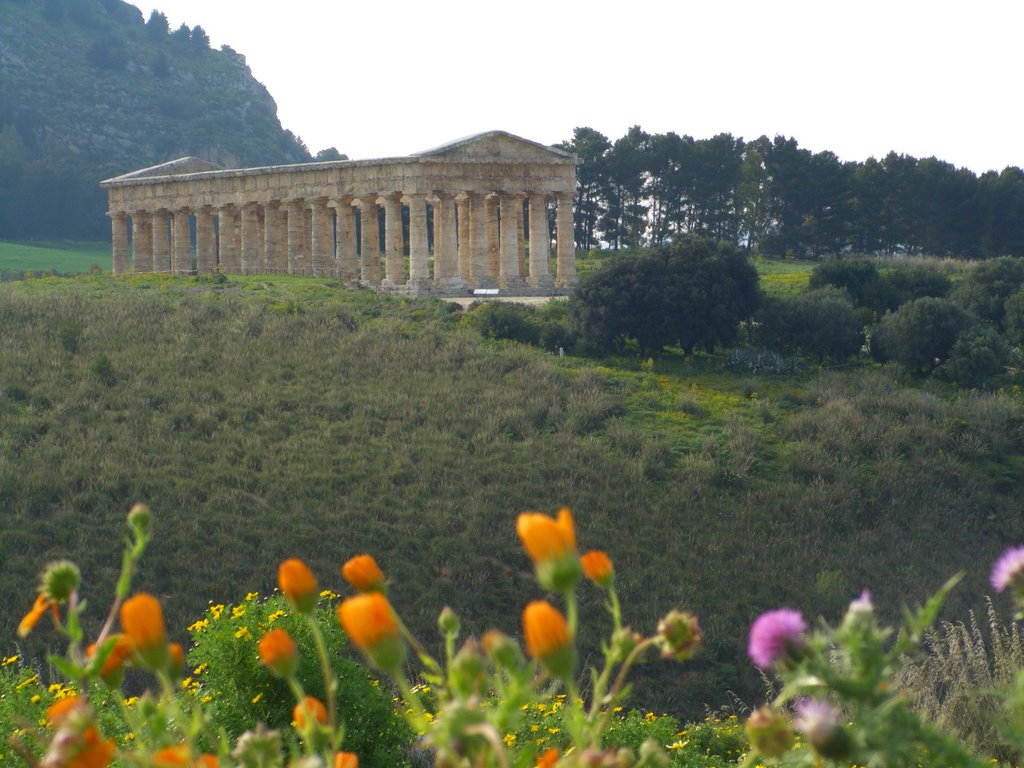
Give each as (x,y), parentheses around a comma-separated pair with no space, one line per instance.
(90,89)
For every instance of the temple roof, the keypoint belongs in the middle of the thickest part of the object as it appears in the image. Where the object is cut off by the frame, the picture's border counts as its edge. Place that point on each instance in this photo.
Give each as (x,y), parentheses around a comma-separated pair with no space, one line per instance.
(181,166)
(495,146)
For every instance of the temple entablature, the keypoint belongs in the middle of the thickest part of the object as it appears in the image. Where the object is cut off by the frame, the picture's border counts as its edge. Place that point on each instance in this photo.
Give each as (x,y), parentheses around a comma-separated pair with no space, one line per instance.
(474,213)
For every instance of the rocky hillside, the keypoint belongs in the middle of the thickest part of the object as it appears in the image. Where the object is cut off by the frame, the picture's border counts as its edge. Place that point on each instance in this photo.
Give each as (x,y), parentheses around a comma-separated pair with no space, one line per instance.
(90,89)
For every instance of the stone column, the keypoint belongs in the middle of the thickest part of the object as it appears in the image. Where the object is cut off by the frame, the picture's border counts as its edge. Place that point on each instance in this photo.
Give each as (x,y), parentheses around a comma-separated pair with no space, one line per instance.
(271,237)
(446,253)
(142,241)
(261,244)
(119,241)
(161,251)
(465,258)
(419,256)
(565,248)
(226,239)
(480,262)
(493,244)
(345,230)
(509,246)
(182,243)
(369,240)
(206,253)
(296,229)
(305,266)
(250,235)
(540,242)
(322,242)
(521,236)
(394,263)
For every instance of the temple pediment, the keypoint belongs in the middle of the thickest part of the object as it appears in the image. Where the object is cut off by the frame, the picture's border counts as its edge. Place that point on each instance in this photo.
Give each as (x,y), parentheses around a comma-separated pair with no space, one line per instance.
(179,167)
(497,146)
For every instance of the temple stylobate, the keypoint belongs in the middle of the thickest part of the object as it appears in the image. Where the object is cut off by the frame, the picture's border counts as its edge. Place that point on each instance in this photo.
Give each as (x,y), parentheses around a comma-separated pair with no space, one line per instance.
(473,214)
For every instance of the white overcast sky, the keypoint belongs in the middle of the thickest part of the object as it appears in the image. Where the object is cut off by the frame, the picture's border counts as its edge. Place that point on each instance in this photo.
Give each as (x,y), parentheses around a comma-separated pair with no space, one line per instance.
(380,79)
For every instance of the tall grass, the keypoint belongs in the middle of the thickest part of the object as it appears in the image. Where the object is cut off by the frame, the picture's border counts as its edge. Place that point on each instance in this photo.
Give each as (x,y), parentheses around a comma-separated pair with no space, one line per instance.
(264,418)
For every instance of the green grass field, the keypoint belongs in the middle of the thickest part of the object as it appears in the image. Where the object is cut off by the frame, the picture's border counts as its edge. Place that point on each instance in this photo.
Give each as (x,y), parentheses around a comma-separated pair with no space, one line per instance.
(64,258)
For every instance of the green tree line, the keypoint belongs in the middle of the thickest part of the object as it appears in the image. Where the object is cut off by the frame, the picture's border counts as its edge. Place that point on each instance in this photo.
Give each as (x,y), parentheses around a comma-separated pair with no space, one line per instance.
(773,197)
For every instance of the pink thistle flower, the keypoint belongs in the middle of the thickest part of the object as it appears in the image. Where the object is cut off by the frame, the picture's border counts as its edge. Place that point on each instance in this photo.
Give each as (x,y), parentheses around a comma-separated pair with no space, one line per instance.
(774,634)
(1008,568)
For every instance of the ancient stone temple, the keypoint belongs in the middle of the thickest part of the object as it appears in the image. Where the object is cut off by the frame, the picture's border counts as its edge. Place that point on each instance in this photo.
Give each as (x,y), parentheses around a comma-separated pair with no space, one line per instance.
(471,215)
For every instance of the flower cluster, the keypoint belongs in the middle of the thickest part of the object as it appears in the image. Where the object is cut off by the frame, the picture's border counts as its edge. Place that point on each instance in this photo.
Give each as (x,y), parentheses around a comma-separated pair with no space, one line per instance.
(479,695)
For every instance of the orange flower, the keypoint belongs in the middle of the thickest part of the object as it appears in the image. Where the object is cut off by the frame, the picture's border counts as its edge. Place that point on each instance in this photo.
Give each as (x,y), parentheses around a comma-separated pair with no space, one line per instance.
(278,652)
(548,759)
(59,710)
(177,657)
(207,761)
(38,610)
(544,537)
(370,622)
(363,573)
(94,752)
(597,567)
(298,584)
(142,621)
(346,760)
(547,638)
(310,707)
(113,665)
(170,757)
(545,629)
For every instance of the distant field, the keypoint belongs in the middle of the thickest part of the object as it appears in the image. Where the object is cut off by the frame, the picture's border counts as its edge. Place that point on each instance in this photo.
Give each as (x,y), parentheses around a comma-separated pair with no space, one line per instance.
(66,258)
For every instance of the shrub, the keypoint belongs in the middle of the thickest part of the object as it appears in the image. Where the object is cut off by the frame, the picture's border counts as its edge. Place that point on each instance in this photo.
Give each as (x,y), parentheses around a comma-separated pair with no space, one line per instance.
(906,283)
(978,354)
(920,334)
(693,293)
(985,289)
(226,674)
(858,277)
(821,323)
(504,320)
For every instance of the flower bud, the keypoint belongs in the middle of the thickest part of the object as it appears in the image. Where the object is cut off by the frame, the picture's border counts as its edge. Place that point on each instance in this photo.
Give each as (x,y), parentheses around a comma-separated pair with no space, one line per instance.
(298,584)
(257,748)
(120,653)
(142,622)
(502,650)
(309,712)
(652,755)
(466,673)
(139,519)
(679,635)
(624,640)
(59,581)
(278,652)
(551,544)
(547,638)
(769,732)
(346,760)
(363,573)
(371,624)
(597,567)
(819,722)
(448,622)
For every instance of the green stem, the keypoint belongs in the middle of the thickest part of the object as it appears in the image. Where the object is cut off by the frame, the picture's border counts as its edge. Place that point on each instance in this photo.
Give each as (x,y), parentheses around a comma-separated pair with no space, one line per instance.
(330,681)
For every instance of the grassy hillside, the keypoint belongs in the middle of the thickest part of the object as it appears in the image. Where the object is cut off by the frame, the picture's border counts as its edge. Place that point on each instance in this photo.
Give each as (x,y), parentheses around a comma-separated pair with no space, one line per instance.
(264,418)
(65,258)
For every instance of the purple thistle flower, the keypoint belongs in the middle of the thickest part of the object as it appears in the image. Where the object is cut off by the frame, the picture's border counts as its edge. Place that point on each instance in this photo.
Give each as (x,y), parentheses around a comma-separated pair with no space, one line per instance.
(774,634)
(815,718)
(1008,567)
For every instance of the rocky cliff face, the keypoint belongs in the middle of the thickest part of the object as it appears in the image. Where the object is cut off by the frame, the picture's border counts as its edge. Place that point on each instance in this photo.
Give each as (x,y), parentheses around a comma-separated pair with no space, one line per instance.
(89,89)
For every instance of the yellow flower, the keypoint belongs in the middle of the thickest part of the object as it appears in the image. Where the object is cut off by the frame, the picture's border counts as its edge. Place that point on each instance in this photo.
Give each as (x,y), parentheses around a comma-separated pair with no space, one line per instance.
(216,611)
(363,573)
(243,633)
(238,612)
(255,699)
(298,584)
(251,596)
(510,739)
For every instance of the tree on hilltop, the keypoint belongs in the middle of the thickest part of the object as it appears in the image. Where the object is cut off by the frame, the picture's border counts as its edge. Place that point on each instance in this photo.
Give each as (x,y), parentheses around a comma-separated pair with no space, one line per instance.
(693,293)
